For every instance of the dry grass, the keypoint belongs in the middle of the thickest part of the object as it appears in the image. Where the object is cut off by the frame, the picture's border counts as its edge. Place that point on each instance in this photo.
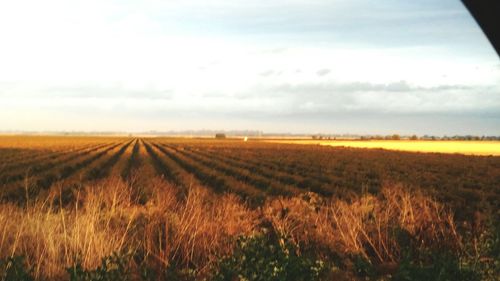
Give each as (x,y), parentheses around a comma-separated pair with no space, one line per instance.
(105,219)
(365,225)
(194,229)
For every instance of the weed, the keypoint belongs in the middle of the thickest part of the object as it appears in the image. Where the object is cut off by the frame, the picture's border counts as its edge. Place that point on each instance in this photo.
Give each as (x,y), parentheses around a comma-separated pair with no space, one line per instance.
(112,268)
(15,269)
(259,258)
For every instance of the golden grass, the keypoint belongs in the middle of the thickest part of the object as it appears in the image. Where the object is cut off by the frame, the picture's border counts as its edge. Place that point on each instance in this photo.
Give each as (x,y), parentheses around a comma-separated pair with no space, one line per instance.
(106,218)
(461,147)
(195,229)
(365,225)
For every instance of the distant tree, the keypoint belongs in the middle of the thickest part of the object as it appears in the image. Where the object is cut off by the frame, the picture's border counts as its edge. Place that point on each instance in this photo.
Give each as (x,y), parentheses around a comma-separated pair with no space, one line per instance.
(414,137)
(220,136)
(395,137)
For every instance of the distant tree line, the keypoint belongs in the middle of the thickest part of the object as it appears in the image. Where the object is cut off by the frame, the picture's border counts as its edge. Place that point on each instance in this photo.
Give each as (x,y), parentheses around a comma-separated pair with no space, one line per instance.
(411,137)
(320,137)
(464,137)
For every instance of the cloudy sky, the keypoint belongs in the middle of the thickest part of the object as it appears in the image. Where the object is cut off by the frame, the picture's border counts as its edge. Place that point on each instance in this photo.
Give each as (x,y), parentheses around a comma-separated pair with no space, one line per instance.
(300,66)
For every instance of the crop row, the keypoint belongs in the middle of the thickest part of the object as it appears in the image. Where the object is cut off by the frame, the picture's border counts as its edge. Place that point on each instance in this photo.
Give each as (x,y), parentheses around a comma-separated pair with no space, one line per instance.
(57,172)
(322,175)
(132,162)
(465,181)
(36,158)
(271,172)
(267,184)
(219,182)
(13,155)
(288,167)
(143,168)
(42,166)
(103,170)
(165,166)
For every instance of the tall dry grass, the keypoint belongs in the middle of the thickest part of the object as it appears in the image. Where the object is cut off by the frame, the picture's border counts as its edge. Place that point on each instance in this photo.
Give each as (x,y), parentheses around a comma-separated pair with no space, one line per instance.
(194,228)
(106,218)
(367,225)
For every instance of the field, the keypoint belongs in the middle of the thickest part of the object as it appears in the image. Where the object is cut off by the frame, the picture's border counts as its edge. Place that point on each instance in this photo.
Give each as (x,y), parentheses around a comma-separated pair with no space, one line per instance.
(461,147)
(116,208)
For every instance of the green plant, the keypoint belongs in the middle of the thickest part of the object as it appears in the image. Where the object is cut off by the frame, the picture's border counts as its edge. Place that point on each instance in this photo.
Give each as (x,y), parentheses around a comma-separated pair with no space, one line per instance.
(261,258)
(439,266)
(424,263)
(170,273)
(482,250)
(363,267)
(112,268)
(15,269)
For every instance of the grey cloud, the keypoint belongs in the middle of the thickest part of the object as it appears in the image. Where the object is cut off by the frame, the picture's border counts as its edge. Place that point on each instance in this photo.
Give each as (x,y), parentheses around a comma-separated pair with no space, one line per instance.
(401,86)
(267,73)
(214,95)
(397,97)
(329,90)
(353,87)
(323,72)
(271,73)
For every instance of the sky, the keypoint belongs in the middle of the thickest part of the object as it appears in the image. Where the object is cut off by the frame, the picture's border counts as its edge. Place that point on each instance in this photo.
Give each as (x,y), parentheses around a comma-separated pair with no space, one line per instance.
(282,66)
